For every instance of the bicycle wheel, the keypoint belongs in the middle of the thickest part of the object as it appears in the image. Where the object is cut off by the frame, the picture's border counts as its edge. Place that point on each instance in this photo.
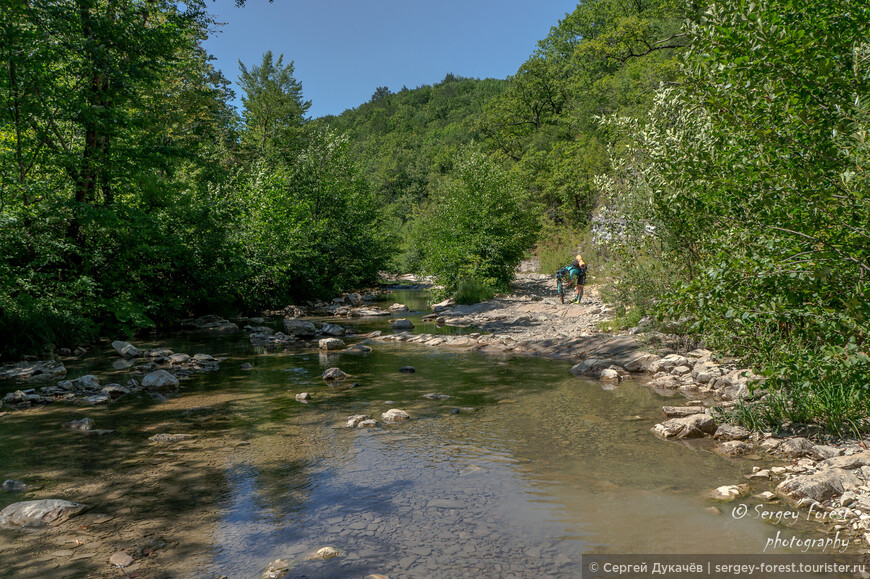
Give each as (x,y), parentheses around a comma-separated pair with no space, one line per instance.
(561,289)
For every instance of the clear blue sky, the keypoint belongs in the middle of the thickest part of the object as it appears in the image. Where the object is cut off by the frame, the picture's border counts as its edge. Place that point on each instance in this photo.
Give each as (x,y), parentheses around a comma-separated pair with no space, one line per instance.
(344,49)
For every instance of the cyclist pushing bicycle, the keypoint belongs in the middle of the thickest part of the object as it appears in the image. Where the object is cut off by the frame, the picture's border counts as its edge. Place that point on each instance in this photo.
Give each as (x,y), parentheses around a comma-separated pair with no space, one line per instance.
(572,274)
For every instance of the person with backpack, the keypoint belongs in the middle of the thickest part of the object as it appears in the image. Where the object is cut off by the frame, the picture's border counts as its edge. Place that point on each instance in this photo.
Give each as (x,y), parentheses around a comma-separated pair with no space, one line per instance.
(577,271)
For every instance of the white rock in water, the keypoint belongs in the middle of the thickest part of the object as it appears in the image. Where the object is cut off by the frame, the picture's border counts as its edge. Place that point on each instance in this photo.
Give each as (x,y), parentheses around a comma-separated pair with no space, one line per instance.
(127,349)
(324,553)
(729,492)
(159,380)
(32,514)
(330,344)
(303,397)
(370,423)
(395,415)
(353,421)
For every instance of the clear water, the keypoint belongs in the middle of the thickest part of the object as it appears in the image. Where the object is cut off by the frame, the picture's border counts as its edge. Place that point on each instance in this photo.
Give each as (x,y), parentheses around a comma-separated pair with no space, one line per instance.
(536,468)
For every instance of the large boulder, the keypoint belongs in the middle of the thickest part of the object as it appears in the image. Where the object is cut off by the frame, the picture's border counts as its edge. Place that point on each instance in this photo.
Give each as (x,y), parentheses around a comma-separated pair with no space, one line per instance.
(299,328)
(33,514)
(126,349)
(819,486)
(160,381)
(640,362)
(695,426)
(852,462)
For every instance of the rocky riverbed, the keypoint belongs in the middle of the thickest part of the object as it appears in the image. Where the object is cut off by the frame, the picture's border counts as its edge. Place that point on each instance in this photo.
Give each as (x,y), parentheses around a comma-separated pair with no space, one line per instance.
(171,469)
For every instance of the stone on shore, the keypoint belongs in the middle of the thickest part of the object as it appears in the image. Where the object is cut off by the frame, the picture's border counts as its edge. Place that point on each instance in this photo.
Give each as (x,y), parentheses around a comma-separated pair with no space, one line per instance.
(731,432)
(121,559)
(681,411)
(695,426)
(796,448)
(34,514)
(332,374)
(160,381)
(441,306)
(819,486)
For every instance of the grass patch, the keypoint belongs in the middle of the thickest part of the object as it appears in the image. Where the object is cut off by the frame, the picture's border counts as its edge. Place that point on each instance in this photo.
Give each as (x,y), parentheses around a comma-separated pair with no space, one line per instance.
(473,291)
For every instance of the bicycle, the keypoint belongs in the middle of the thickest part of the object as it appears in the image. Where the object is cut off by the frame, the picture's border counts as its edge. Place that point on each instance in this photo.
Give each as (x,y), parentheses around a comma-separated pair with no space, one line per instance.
(563,281)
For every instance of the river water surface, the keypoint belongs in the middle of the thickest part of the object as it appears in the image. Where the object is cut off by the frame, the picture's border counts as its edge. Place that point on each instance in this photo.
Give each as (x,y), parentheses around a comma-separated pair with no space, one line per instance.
(523,469)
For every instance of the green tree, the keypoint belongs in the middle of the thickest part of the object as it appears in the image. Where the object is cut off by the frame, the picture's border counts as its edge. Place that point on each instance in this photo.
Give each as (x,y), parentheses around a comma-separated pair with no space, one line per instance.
(476,227)
(274,111)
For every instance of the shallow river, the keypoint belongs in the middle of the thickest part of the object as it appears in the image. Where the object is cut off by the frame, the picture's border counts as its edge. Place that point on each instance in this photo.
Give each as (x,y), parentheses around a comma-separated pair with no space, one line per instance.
(521,471)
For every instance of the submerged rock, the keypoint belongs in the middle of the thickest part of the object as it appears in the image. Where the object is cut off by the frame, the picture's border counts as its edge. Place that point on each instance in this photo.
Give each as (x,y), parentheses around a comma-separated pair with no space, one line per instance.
(353,421)
(277,569)
(34,514)
(436,396)
(332,374)
(407,369)
(14,486)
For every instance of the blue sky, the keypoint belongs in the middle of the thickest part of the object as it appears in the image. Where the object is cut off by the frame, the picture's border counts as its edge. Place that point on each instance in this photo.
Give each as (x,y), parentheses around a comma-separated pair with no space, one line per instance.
(344,49)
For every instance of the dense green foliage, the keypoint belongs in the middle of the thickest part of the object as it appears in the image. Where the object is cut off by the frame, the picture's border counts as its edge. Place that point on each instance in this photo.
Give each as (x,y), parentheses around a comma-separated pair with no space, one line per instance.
(131,194)
(754,176)
(475,228)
